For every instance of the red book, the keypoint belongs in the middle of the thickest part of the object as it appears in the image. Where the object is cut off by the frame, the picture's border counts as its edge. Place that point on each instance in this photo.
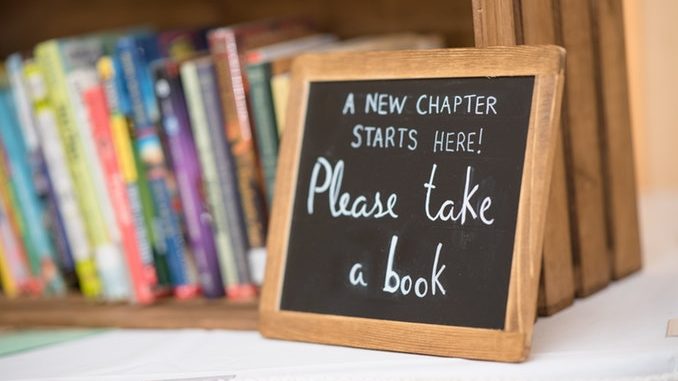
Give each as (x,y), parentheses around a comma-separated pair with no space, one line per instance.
(95,101)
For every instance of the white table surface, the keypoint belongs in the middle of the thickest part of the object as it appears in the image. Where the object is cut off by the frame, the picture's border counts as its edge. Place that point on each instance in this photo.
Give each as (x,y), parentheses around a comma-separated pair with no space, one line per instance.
(618,333)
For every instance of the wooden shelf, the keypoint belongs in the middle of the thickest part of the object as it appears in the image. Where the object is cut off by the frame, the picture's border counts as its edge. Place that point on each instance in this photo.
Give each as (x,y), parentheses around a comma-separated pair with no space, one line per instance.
(74,311)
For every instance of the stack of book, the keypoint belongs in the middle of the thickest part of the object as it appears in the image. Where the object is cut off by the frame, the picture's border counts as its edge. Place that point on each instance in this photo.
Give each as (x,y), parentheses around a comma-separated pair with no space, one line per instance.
(137,164)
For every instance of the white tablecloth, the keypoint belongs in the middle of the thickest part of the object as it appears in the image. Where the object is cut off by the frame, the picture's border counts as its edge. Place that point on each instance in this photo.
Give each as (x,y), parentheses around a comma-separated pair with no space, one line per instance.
(618,333)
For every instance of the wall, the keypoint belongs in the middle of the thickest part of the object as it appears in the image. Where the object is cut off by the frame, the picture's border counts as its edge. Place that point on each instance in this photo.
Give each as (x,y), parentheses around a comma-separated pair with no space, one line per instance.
(652,50)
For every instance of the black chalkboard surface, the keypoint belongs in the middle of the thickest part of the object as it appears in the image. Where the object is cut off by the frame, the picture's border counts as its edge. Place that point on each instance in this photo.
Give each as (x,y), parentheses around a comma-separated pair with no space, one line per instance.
(410,200)
(465,138)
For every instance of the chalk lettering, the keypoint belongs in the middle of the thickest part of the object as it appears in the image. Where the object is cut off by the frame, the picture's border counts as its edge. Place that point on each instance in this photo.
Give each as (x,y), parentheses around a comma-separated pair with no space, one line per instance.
(384,104)
(340,203)
(383,137)
(356,275)
(446,211)
(349,105)
(394,283)
(473,104)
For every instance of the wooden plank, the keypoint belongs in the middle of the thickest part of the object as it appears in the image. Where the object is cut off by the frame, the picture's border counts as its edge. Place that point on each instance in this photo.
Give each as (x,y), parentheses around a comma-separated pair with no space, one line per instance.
(532,22)
(75,311)
(513,342)
(618,166)
(557,288)
(582,142)
(496,23)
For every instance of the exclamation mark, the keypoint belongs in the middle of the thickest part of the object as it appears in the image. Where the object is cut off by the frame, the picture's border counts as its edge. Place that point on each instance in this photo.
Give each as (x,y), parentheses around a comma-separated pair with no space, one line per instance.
(480,140)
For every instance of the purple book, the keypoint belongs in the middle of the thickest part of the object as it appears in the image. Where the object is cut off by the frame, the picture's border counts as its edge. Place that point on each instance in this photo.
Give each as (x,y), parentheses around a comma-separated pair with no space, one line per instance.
(182,150)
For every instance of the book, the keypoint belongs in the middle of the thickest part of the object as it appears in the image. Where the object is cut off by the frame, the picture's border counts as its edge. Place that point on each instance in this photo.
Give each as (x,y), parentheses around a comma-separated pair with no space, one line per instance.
(8,285)
(36,238)
(68,68)
(258,69)
(226,47)
(169,93)
(16,274)
(135,54)
(117,102)
(64,189)
(97,107)
(41,177)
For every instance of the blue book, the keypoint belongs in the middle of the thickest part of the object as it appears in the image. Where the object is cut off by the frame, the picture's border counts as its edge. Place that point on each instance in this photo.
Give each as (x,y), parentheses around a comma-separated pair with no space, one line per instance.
(38,244)
(41,176)
(135,54)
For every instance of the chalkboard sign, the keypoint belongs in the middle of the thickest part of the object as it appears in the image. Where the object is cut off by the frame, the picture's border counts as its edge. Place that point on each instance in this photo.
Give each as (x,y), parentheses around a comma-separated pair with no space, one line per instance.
(411,198)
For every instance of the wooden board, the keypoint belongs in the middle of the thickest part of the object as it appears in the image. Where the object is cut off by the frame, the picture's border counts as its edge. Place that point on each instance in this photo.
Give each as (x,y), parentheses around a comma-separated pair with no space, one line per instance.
(557,287)
(501,22)
(508,344)
(497,23)
(75,311)
(582,143)
(617,143)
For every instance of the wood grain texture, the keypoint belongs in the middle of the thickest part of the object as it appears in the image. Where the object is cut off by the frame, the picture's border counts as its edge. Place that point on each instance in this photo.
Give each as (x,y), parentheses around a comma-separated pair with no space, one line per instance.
(536,21)
(76,311)
(582,143)
(557,288)
(617,142)
(497,22)
(510,344)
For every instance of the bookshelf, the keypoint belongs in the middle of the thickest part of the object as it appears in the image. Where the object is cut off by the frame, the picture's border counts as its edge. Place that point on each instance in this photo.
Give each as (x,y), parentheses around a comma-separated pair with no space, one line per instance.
(348,18)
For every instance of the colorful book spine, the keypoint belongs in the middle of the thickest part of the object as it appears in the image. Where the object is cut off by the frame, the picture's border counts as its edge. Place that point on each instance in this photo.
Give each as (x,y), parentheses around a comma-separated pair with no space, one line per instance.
(82,76)
(95,99)
(263,114)
(122,144)
(280,89)
(37,240)
(187,170)
(135,53)
(16,275)
(9,287)
(41,177)
(227,180)
(56,61)
(226,55)
(56,161)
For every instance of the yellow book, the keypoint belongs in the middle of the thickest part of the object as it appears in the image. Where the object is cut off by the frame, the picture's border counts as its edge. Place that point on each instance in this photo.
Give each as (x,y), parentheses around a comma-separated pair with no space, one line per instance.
(48,57)
(14,271)
(9,287)
(280,88)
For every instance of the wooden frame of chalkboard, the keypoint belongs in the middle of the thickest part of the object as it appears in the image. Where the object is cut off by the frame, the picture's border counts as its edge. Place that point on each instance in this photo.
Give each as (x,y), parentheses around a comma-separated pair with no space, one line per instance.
(287,309)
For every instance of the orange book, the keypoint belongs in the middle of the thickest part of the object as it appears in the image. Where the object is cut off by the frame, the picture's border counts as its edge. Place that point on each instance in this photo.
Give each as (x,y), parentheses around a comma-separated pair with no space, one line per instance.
(95,100)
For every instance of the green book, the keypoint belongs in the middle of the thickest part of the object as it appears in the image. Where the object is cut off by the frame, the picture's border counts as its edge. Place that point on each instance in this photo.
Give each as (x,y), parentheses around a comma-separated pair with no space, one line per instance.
(260,97)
